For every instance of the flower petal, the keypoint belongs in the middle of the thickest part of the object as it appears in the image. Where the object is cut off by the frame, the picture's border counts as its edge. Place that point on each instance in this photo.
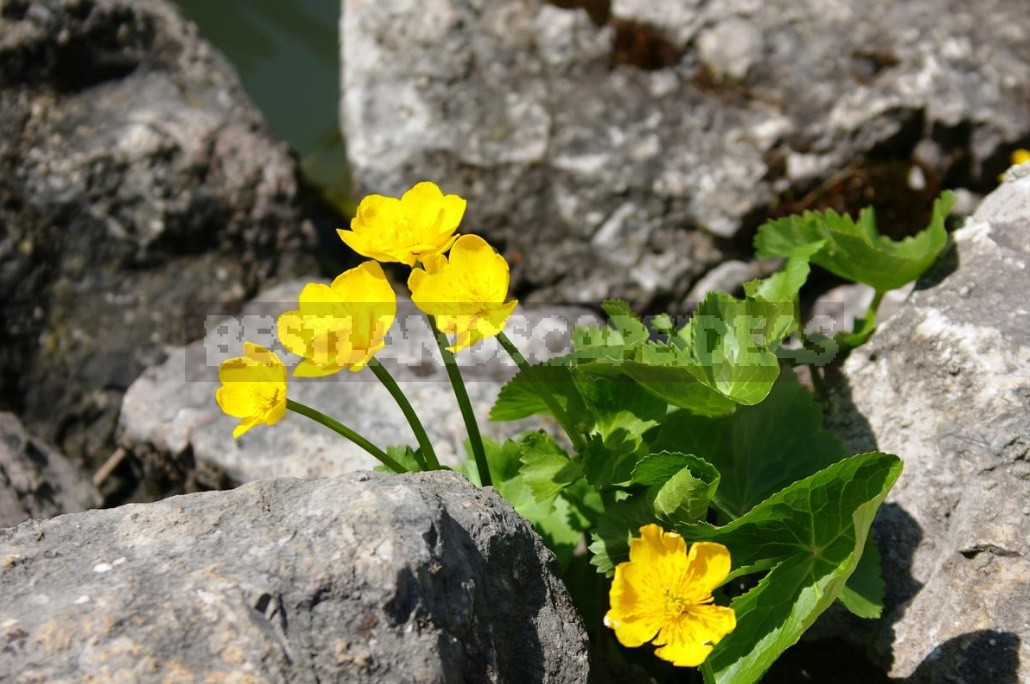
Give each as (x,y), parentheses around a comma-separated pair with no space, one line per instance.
(708,564)
(309,369)
(245,425)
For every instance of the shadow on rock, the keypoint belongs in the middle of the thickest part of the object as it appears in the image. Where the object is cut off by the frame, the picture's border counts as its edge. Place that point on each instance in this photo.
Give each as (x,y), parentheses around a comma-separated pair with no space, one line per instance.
(896,532)
(982,656)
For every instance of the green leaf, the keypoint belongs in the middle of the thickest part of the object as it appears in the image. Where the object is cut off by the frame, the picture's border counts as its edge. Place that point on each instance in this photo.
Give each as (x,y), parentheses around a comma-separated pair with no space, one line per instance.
(671,377)
(657,468)
(685,496)
(759,449)
(811,536)
(628,325)
(610,454)
(855,250)
(865,590)
(405,456)
(663,324)
(775,299)
(727,341)
(522,396)
(546,468)
(609,543)
(559,522)
(608,394)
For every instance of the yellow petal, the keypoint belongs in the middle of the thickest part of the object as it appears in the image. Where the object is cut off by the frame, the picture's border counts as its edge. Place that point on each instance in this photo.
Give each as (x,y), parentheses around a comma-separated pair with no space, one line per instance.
(451,213)
(466,338)
(688,640)
(636,610)
(276,413)
(237,400)
(308,369)
(436,248)
(475,259)
(495,319)
(375,213)
(364,284)
(364,244)
(708,564)
(415,278)
(244,426)
(682,645)
(654,544)
(434,263)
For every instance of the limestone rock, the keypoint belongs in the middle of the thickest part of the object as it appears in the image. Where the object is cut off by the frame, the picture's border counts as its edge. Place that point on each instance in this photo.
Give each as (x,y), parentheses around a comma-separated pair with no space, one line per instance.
(945,385)
(135,177)
(366,577)
(36,481)
(170,419)
(620,159)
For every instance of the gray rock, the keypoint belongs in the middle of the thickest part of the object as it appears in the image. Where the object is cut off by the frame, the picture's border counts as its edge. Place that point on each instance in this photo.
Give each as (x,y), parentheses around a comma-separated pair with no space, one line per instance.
(169,417)
(837,310)
(730,276)
(945,384)
(607,160)
(366,577)
(135,177)
(36,481)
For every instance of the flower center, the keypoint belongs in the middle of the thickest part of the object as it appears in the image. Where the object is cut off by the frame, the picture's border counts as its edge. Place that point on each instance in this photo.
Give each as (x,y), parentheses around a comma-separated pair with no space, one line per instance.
(677,604)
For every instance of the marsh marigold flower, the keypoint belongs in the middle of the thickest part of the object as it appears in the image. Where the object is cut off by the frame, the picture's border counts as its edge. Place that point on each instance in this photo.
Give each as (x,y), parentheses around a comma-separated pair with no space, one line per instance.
(253,388)
(341,325)
(419,224)
(664,593)
(464,293)
(1020,157)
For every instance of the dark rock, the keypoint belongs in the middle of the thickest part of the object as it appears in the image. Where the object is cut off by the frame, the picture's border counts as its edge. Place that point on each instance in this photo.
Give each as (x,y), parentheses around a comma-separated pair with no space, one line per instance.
(628,154)
(36,481)
(365,577)
(135,177)
(944,384)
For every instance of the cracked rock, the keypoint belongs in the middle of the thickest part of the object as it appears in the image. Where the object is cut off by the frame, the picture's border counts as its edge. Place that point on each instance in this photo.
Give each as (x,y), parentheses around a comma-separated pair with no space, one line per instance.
(628,157)
(135,177)
(367,577)
(944,383)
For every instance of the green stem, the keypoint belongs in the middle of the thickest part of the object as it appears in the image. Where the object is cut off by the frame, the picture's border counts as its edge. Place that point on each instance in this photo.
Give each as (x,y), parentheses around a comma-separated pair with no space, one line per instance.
(467,414)
(339,428)
(874,306)
(556,409)
(431,462)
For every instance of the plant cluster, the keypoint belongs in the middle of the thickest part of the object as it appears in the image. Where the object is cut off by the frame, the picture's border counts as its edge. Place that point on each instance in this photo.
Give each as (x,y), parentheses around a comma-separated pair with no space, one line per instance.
(692,498)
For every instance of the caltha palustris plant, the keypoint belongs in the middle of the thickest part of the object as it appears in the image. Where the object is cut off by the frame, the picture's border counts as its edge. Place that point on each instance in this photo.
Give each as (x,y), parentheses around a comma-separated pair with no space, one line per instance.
(694,502)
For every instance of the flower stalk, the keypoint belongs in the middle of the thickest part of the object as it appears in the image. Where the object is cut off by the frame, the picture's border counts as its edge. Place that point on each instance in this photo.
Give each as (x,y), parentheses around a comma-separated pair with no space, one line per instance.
(552,403)
(341,429)
(427,457)
(467,414)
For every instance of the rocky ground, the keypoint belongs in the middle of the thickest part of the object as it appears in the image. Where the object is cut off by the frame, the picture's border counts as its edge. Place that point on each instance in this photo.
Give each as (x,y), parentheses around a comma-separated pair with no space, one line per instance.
(626,148)
(609,148)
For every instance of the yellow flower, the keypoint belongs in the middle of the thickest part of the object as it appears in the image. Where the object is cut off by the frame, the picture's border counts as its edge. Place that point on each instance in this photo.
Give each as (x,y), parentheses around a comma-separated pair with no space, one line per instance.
(419,224)
(665,594)
(464,293)
(1020,157)
(340,325)
(253,388)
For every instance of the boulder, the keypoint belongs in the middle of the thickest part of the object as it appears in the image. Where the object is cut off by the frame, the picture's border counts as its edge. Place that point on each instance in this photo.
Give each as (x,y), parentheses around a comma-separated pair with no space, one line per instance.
(627,151)
(37,481)
(170,420)
(366,577)
(944,383)
(135,177)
